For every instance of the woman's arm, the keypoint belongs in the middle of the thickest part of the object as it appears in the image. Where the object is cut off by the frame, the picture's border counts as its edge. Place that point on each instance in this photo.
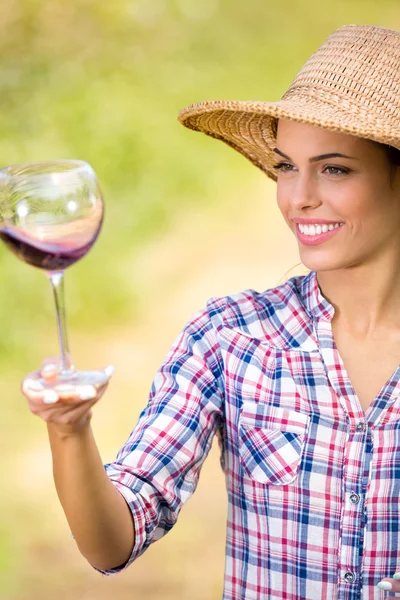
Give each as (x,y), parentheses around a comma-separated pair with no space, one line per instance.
(97,513)
(116,511)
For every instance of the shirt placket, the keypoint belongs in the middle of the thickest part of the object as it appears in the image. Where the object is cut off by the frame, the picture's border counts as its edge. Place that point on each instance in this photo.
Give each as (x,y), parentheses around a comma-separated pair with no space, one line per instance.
(352,517)
(355,458)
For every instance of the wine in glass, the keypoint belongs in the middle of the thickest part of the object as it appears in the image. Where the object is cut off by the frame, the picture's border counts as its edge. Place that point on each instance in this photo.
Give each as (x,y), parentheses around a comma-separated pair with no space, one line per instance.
(50,216)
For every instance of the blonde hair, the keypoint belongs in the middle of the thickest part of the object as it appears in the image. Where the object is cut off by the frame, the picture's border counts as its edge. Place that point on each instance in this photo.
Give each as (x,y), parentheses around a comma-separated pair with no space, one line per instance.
(304,271)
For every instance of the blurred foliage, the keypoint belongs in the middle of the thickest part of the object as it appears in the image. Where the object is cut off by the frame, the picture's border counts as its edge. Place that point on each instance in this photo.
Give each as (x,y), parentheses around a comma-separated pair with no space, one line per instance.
(103,82)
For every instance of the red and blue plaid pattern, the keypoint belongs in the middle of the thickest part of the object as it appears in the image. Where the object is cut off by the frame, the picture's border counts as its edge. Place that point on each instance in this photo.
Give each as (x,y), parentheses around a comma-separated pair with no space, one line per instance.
(313,481)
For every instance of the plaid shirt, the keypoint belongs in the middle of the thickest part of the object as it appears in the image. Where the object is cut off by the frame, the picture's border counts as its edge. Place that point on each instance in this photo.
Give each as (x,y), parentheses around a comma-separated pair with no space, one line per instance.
(313,481)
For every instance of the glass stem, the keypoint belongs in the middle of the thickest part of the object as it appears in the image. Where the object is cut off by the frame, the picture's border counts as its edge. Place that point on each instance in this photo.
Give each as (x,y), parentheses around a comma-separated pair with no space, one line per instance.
(57,283)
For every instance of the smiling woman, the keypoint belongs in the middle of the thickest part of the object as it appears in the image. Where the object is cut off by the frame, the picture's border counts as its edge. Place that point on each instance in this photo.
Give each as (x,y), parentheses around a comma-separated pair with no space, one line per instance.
(345,182)
(393,161)
(283,377)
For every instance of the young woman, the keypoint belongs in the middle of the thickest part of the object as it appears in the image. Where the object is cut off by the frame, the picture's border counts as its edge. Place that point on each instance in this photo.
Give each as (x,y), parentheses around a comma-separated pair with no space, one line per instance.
(300,382)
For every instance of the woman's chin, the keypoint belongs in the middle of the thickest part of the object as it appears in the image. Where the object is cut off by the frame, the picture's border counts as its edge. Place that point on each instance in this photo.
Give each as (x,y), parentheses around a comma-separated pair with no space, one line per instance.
(320,263)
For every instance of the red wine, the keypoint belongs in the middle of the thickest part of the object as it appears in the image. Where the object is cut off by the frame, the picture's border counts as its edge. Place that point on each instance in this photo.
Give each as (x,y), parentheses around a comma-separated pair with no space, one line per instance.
(54,256)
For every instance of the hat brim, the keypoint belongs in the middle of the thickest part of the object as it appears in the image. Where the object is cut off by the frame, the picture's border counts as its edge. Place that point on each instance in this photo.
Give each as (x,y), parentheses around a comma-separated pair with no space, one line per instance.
(250,127)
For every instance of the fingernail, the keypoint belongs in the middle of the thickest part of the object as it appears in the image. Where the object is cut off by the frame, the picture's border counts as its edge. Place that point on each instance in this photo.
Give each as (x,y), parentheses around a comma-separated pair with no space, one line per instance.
(66,389)
(49,368)
(396,576)
(109,370)
(50,397)
(385,585)
(34,385)
(88,392)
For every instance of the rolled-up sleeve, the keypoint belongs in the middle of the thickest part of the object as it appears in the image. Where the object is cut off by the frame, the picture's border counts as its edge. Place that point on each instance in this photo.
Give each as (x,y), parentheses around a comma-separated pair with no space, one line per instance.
(157,469)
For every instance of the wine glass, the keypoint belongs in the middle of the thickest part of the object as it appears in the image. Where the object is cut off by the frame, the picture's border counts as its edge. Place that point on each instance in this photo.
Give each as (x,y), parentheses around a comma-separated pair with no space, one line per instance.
(50,216)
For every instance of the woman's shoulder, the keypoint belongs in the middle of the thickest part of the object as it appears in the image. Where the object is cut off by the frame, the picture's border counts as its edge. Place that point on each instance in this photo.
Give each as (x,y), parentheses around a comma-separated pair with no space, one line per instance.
(252,303)
(276,317)
(271,315)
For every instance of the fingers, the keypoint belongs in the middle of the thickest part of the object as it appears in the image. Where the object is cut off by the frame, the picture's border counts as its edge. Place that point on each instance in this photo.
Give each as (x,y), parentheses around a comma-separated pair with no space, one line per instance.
(390,584)
(66,393)
(109,371)
(62,401)
(50,368)
(63,404)
(74,393)
(69,412)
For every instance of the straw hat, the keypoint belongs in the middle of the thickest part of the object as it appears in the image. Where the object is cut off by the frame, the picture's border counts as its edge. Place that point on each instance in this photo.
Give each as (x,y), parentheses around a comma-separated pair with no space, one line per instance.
(351,84)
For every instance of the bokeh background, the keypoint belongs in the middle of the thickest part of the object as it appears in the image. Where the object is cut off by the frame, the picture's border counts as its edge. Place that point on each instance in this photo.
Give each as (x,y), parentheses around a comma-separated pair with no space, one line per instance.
(187,218)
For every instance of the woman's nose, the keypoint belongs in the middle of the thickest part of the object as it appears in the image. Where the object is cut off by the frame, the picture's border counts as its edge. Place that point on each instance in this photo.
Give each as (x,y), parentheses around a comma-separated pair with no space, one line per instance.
(304,192)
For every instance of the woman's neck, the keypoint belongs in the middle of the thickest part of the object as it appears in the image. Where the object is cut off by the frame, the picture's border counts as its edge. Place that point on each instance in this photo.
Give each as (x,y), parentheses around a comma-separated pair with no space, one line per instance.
(366,300)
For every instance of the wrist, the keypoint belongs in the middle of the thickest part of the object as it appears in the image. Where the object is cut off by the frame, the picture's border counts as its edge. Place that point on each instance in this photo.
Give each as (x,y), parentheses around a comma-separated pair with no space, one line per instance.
(70,430)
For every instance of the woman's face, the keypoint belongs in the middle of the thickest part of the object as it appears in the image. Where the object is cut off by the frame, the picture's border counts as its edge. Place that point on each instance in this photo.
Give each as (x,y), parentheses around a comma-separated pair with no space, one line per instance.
(357,191)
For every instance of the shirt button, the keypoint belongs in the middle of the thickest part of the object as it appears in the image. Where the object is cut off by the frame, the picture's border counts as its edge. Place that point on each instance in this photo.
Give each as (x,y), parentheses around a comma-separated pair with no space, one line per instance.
(349,577)
(360,426)
(354,498)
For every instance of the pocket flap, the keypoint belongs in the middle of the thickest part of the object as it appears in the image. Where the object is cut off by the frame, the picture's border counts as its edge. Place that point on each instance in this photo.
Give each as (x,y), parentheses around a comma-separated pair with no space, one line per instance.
(271,442)
(259,414)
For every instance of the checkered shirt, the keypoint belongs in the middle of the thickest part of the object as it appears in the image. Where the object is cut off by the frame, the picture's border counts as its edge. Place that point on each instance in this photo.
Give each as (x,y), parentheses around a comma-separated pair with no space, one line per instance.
(313,481)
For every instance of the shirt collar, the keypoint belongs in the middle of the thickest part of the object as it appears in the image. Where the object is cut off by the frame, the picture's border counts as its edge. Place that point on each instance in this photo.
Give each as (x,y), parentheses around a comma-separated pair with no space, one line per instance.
(280,317)
(314,302)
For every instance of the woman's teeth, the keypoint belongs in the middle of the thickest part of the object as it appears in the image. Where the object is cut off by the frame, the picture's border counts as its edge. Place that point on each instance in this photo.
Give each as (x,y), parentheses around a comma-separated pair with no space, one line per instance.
(317,229)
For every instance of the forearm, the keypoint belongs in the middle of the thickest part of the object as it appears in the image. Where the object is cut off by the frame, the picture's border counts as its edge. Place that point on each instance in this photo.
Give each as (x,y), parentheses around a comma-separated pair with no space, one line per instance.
(97,513)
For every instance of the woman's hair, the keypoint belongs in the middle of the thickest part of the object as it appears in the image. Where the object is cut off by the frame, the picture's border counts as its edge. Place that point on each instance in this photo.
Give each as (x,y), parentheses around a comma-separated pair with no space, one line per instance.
(392,153)
(393,156)
(285,277)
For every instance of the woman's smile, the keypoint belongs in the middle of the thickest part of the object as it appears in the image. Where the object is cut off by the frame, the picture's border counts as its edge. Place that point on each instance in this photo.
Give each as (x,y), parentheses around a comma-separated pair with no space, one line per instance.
(312,235)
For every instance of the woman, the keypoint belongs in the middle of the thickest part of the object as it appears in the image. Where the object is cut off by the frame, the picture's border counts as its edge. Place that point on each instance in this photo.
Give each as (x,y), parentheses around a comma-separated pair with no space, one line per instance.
(301,382)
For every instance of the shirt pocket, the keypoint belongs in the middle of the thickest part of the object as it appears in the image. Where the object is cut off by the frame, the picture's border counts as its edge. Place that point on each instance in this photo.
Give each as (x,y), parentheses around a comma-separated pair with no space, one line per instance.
(272,440)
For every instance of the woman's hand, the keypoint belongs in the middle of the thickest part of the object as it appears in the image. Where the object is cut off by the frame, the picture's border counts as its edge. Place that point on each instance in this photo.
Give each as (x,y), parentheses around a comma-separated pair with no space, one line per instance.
(67,407)
(392,585)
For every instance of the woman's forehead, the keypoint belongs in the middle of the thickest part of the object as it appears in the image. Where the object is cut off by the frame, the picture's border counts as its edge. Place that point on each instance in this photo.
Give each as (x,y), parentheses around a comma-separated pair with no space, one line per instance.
(306,137)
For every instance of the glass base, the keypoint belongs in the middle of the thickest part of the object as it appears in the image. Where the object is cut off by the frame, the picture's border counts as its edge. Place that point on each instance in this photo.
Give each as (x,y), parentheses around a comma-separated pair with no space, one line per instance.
(72,381)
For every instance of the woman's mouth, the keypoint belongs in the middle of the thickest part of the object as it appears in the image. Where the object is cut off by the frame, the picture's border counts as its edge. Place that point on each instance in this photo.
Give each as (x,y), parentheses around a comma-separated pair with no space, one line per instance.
(309,238)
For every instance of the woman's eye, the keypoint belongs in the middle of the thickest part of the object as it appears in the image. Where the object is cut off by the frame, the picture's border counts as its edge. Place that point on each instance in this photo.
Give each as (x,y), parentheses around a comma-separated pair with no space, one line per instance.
(283,167)
(336,170)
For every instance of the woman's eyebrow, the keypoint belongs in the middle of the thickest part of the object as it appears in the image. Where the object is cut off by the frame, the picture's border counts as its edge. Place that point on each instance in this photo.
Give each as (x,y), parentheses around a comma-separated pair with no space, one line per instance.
(319,157)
